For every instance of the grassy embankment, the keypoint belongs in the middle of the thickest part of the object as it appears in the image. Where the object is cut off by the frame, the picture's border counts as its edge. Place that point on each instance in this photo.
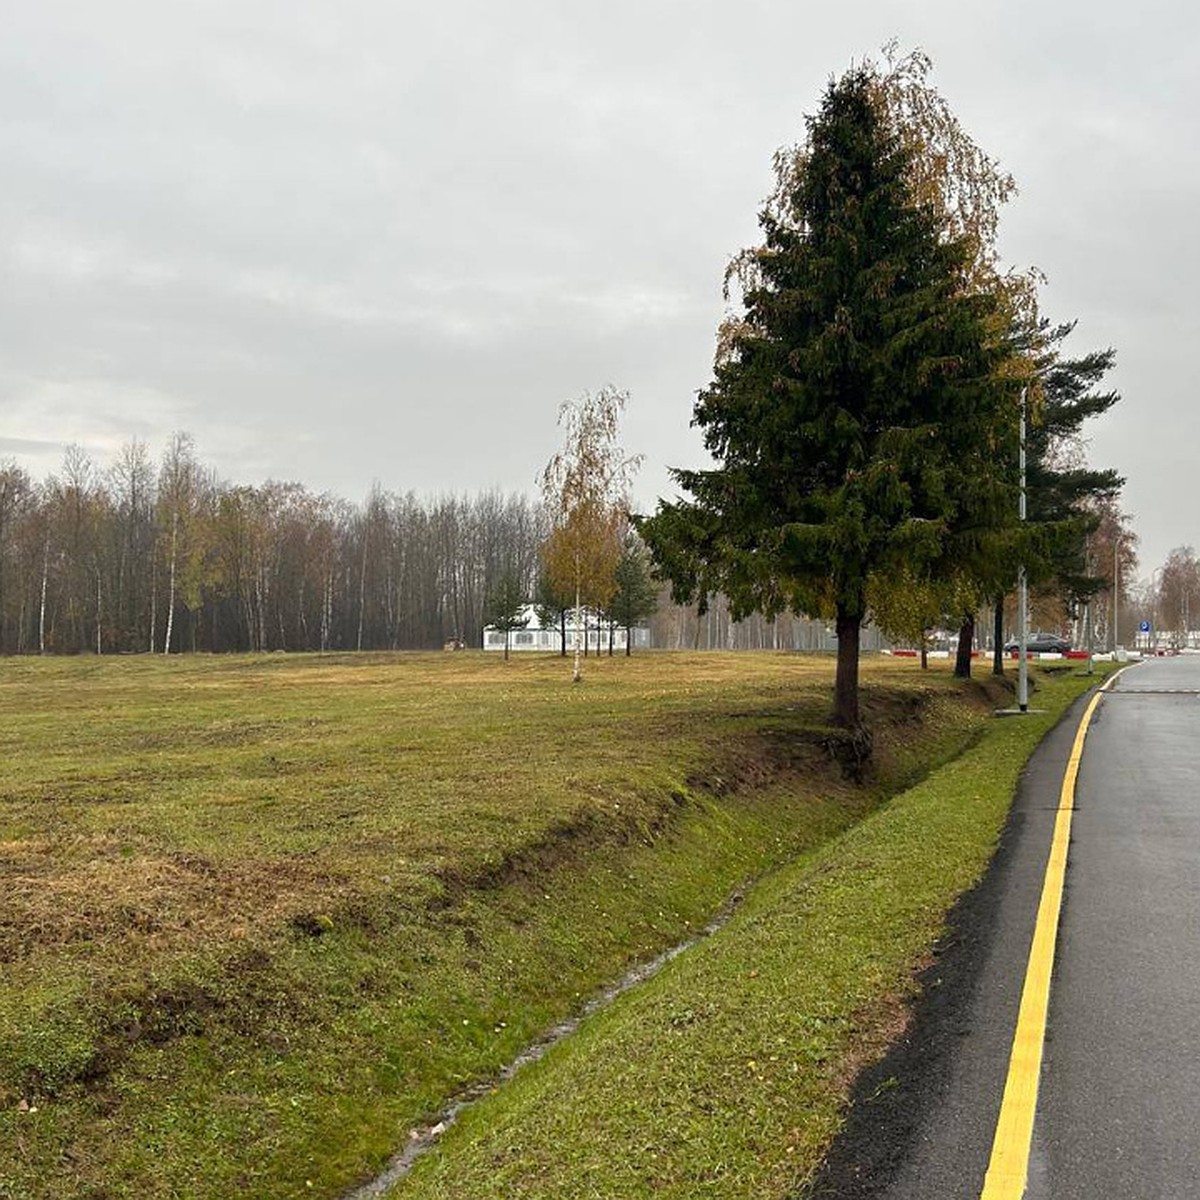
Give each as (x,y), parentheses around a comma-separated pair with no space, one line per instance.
(260,915)
(727,1075)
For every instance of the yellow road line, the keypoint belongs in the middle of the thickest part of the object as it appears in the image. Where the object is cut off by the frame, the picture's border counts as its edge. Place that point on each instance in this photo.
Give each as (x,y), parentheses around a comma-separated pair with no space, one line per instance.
(1009,1166)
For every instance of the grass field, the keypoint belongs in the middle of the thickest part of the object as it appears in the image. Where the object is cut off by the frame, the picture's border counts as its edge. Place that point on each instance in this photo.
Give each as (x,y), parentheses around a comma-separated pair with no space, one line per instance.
(262,914)
(726,1076)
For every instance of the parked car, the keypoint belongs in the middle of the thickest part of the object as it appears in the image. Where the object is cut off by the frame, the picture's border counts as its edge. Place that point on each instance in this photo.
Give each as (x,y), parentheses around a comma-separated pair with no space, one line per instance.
(1040,643)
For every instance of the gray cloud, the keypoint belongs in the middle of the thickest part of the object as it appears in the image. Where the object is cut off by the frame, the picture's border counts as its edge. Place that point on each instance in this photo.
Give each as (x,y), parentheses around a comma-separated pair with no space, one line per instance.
(384,242)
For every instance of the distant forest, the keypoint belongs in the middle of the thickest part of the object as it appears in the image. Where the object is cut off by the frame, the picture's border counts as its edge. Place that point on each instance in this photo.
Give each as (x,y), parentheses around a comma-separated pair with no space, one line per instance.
(147,556)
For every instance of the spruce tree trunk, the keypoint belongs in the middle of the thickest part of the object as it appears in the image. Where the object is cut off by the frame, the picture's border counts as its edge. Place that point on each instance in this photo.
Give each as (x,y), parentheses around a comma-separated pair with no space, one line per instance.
(966,636)
(845,694)
(998,636)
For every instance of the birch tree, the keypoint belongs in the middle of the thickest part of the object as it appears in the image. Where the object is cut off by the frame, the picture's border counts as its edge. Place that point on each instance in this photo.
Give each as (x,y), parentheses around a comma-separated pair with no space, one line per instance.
(151,554)
(16,498)
(131,482)
(1178,590)
(584,488)
(177,492)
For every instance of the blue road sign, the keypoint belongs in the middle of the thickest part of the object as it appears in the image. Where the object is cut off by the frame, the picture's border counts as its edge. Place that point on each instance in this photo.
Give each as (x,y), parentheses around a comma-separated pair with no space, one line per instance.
(1144,627)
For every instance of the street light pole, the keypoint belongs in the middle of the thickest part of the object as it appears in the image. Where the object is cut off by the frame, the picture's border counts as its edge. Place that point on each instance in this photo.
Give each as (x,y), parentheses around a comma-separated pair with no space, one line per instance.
(1087,615)
(1091,643)
(1116,588)
(1022,587)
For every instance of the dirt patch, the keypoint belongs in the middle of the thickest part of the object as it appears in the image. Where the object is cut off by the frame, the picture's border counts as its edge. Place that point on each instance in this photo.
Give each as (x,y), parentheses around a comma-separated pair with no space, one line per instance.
(102,889)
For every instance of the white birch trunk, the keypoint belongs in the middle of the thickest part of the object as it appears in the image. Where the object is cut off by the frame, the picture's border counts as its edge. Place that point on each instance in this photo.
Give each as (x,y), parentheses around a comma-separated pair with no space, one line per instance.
(42,606)
(362,593)
(260,604)
(153,597)
(171,585)
(303,616)
(99,646)
(326,611)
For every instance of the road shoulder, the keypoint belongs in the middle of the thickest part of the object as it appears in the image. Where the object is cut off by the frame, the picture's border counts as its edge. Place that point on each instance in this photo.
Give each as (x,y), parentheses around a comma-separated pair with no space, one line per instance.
(922,1119)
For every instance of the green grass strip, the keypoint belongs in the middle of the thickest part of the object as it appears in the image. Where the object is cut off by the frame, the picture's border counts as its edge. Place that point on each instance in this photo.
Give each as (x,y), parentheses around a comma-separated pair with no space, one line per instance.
(727,1074)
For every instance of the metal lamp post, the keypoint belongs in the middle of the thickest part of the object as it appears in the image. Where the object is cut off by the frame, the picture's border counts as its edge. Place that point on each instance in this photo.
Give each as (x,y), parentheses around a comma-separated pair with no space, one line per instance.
(1087,615)
(1116,588)
(1022,586)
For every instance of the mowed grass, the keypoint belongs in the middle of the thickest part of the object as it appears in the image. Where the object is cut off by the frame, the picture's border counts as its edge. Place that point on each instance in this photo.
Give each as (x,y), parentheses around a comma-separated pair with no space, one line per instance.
(262,914)
(727,1074)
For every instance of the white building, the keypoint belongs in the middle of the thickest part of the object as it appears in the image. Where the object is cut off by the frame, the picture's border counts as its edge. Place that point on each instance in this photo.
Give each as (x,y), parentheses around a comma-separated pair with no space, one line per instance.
(536,636)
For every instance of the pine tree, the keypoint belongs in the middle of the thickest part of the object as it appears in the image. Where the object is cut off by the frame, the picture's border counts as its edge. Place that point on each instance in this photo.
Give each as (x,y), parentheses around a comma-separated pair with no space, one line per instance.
(505,608)
(1063,492)
(552,604)
(636,597)
(1060,484)
(852,400)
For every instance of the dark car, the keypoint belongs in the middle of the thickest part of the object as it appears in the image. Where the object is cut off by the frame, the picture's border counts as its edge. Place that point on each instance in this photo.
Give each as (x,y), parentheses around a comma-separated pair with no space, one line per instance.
(1040,643)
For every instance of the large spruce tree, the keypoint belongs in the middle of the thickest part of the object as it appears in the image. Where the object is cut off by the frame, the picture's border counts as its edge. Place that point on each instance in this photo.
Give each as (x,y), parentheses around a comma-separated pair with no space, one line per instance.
(856,398)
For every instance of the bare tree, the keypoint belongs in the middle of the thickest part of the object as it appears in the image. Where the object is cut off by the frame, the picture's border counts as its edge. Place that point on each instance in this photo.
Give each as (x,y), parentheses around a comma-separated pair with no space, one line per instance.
(1178,589)
(178,495)
(17,497)
(92,559)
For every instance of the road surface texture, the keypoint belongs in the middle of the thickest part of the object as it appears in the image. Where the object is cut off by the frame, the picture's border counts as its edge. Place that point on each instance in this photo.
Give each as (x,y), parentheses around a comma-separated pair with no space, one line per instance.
(1119,1103)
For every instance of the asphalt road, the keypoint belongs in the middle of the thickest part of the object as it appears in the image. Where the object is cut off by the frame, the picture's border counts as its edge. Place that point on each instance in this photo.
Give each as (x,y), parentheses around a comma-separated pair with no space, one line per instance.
(1119,1103)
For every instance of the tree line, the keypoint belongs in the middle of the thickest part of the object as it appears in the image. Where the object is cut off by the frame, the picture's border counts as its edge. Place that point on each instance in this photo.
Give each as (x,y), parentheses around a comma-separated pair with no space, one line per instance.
(1170,602)
(164,556)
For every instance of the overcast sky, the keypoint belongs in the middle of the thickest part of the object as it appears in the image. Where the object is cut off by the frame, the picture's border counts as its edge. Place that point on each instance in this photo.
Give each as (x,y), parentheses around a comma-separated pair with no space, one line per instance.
(383,241)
